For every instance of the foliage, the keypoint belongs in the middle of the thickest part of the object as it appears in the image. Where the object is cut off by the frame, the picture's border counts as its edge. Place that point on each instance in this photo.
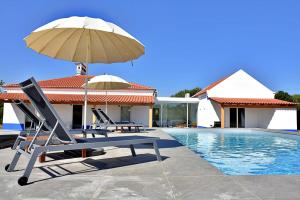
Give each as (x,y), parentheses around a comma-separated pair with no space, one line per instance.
(284,96)
(297,100)
(182,93)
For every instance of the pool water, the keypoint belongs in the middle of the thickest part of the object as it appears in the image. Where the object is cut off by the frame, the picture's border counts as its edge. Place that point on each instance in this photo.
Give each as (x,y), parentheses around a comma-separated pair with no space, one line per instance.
(243,152)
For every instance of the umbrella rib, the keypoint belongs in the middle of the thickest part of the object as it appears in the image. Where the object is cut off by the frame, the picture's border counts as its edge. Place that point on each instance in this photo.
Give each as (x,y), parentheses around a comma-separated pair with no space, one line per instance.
(33,41)
(77,44)
(100,38)
(117,36)
(89,55)
(116,47)
(59,49)
(52,40)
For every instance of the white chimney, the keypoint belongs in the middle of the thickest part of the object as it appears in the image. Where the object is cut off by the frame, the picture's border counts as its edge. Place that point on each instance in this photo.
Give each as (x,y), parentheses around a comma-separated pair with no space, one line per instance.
(187,95)
(80,69)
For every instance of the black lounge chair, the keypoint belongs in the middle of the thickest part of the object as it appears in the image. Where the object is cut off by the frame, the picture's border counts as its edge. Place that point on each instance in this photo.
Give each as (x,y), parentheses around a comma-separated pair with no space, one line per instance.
(111,123)
(36,122)
(61,134)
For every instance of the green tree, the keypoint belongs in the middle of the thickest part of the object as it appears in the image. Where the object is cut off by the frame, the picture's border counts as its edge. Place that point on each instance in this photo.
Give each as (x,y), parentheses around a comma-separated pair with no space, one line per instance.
(182,93)
(296,98)
(284,96)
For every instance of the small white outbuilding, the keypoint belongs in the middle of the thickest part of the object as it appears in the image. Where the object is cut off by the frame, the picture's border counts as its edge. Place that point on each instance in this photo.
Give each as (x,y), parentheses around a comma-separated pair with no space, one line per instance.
(240,101)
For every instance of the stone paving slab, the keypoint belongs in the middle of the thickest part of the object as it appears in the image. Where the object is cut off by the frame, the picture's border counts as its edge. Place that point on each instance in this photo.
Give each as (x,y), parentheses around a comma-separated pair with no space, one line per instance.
(117,175)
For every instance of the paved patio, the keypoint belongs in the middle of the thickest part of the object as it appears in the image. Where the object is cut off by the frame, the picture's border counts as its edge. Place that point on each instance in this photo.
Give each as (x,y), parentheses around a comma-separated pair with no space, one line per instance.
(117,175)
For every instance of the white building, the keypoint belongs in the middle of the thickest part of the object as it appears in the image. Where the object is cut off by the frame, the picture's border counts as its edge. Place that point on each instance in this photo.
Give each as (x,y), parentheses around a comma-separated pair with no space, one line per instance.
(236,101)
(67,96)
(240,101)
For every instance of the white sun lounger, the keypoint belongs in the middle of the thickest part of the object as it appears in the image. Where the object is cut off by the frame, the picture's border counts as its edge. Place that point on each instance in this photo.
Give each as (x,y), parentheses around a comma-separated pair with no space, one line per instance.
(62,135)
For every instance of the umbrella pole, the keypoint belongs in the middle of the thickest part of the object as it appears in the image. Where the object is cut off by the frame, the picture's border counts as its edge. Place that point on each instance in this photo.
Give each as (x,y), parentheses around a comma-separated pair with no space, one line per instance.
(106,101)
(85,98)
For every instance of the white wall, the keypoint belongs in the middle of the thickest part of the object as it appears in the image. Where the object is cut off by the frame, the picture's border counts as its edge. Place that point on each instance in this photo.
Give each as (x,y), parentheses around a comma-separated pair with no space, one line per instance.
(65,111)
(240,85)
(140,115)
(208,113)
(279,118)
(114,111)
(268,118)
(12,114)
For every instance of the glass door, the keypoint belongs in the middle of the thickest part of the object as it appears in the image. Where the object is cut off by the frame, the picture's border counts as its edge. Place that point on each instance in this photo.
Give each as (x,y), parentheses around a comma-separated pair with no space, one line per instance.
(241,117)
(237,117)
(233,118)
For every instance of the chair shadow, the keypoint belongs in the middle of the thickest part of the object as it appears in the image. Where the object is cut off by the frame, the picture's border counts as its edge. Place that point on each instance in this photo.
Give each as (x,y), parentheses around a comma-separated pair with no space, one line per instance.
(73,154)
(96,165)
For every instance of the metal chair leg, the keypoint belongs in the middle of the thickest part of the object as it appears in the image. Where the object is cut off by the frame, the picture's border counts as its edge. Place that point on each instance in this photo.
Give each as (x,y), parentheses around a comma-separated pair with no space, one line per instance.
(132,150)
(156,151)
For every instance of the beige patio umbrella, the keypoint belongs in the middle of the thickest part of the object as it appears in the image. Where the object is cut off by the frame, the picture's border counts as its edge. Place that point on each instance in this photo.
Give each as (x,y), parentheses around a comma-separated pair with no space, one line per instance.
(107,82)
(85,39)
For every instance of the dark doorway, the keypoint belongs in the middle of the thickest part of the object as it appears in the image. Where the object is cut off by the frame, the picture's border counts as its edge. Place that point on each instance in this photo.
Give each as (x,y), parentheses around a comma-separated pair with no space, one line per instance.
(233,118)
(77,117)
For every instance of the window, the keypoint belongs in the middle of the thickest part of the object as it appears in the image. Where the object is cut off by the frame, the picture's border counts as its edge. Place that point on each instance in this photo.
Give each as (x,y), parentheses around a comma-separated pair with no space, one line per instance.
(241,117)
(125,113)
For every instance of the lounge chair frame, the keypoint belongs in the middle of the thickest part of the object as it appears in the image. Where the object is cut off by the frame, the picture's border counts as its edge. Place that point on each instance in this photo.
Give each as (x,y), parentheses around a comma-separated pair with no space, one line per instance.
(67,142)
(111,123)
(99,121)
(42,126)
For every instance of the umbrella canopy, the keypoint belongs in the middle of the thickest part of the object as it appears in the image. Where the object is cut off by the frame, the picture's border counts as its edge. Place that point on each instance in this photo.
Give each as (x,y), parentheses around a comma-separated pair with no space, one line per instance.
(85,39)
(107,82)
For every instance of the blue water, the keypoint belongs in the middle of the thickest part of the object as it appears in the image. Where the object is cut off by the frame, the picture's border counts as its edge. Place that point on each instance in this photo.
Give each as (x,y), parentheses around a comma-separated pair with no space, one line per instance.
(243,152)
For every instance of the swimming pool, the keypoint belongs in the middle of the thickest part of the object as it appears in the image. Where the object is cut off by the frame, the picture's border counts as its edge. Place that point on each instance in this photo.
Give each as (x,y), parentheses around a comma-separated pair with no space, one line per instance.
(243,152)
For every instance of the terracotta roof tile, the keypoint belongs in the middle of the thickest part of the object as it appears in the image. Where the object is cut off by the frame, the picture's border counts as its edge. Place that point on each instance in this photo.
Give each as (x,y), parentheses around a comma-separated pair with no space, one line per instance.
(79,99)
(74,82)
(251,101)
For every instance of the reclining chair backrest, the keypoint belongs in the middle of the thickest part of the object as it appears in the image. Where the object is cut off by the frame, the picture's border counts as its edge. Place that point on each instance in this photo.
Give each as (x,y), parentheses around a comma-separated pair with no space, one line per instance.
(45,109)
(97,115)
(106,116)
(26,110)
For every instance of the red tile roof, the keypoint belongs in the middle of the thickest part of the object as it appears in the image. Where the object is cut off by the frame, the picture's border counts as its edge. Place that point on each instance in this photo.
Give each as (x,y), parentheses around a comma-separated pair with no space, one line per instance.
(79,99)
(252,101)
(203,91)
(74,82)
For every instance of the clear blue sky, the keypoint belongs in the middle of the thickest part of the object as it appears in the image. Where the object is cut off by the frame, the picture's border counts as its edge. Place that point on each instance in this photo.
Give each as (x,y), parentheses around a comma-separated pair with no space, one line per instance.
(188,43)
